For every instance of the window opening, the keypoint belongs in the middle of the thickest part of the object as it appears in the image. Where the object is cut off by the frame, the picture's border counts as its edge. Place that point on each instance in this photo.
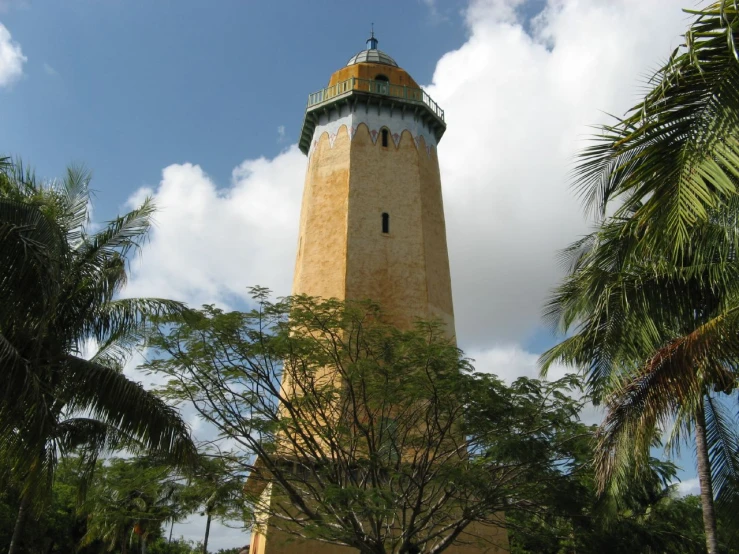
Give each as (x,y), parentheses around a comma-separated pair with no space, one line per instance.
(384,137)
(382,84)
(385,223)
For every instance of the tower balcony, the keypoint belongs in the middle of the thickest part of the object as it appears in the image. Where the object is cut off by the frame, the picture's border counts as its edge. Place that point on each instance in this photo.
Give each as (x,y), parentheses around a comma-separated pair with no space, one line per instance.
(409,101)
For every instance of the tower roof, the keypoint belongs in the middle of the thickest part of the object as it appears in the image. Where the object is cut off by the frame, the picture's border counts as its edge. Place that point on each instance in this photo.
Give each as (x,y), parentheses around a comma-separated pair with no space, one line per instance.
(372,54)
(371,77)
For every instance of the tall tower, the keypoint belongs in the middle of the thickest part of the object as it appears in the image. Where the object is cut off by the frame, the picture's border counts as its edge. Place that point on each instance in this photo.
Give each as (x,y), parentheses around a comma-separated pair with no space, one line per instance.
(372,218)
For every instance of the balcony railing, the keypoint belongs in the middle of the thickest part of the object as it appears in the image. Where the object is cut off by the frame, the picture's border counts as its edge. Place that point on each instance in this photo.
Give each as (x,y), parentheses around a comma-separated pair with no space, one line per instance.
(410,94)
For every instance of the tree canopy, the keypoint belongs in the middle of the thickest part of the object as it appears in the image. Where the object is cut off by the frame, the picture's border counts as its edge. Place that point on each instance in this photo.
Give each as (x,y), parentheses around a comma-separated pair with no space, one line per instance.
(366,435)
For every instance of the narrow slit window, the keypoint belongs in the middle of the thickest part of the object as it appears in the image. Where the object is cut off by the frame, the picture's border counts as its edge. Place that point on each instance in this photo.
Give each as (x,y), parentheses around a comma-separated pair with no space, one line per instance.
(384,137)
(385,223)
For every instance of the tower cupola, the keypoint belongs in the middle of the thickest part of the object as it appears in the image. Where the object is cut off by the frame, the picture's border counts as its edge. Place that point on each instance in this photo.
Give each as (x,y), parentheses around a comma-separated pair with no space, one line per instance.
(373,79)
(372,54)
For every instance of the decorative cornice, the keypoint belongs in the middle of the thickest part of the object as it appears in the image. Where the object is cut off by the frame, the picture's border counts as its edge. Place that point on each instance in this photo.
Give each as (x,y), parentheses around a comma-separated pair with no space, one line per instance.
(346,97)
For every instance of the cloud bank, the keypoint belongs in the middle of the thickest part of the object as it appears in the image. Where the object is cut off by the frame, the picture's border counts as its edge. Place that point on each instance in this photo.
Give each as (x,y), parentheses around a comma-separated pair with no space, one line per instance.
(210,244)
(518,105)
(11,58)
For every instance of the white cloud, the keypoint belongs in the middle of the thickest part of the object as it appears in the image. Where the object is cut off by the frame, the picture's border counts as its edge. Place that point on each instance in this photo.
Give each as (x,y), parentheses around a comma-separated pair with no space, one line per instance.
(518,107)
(11,58)
(209,244)
(280,133)
(688,487)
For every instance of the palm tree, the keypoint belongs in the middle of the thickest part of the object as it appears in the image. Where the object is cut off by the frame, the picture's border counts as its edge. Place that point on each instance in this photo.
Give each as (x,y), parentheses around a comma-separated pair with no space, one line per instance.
(216,485)
(59,286)
(651,293)
(131,497)
(658,341)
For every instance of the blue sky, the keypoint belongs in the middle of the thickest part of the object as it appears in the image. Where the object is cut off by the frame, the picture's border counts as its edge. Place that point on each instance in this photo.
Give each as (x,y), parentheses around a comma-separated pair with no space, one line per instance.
(200,105)
(129,87)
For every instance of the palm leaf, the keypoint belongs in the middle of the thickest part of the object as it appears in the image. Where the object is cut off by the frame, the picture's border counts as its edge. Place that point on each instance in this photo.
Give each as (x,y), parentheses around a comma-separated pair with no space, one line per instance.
(111,397)
(723,449)
(677,152)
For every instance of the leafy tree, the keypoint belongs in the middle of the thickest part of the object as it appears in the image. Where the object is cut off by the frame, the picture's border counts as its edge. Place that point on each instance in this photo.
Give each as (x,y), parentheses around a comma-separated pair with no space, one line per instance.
(130,499)
(368,436)
(56,529)
(215,487)
(179,546)
(645,517)
(59,283)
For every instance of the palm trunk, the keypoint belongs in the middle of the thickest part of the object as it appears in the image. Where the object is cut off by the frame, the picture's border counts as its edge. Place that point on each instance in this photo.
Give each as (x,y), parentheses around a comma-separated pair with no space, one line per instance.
(704,477)
(207,532)
(20,522)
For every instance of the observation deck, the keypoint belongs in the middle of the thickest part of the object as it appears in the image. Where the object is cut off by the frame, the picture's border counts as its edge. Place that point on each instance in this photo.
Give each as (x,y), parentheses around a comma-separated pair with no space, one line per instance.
(355,92)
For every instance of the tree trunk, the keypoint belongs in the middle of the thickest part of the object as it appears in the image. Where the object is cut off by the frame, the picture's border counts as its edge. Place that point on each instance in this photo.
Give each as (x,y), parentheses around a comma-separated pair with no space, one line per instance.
(207,532)
(171,528)
(704,478)
(20,522)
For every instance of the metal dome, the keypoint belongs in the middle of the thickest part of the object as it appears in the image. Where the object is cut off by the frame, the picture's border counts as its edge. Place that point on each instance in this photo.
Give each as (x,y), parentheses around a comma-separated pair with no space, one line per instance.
(372,56)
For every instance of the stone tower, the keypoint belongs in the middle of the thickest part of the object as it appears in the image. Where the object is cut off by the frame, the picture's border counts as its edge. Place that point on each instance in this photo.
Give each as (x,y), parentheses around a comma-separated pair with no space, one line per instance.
(372,217)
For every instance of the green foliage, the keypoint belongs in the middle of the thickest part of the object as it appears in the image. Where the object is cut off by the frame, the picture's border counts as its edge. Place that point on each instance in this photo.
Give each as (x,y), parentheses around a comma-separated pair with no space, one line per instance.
(178,546)
(59,284)
(354,422)
(129,501)
(215,487)
(646,516)
(674,158)
(59,526)
(652,294)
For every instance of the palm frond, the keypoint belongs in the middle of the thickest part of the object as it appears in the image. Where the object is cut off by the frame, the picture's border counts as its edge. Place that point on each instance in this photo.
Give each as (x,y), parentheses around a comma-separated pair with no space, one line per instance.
(723,450)
(668,387)
(75,194)
(121,324)
(676,153)
(110,397)
(119,237)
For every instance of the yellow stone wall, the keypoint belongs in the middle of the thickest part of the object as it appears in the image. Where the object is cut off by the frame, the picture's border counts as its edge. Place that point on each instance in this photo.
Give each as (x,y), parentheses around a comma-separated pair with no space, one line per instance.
(320,265)
(342,251)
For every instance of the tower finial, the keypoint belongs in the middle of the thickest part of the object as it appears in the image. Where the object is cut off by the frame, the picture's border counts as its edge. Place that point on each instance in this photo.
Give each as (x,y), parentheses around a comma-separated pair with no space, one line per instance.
(372,41)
